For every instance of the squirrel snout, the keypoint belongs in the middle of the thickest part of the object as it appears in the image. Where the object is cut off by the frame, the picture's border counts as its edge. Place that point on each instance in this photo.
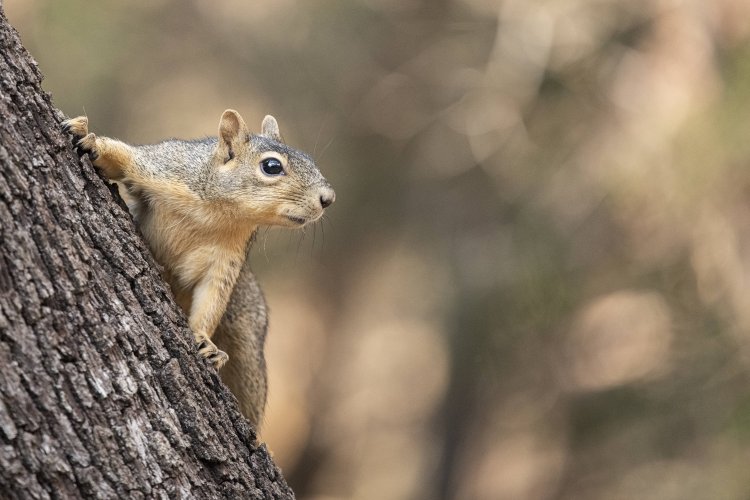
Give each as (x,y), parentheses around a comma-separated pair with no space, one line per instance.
(327,196)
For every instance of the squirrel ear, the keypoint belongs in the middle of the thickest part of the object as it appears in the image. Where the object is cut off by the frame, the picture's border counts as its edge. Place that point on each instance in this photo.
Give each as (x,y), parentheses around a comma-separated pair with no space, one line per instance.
(270,128)
(232,128)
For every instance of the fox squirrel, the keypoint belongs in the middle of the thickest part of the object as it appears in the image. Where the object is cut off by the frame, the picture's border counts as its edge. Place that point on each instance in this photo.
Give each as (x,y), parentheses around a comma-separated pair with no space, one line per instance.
(198,204)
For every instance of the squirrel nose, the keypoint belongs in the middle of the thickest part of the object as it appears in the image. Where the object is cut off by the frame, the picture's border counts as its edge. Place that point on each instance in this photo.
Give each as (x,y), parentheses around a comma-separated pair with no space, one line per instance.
(327,196)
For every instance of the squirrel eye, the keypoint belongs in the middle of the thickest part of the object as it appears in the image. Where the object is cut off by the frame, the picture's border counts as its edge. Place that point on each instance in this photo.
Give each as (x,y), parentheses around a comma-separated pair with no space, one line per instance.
(271,166)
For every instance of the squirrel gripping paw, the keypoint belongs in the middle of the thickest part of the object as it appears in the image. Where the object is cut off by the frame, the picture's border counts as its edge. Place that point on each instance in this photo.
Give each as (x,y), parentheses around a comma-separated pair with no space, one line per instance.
(198,204)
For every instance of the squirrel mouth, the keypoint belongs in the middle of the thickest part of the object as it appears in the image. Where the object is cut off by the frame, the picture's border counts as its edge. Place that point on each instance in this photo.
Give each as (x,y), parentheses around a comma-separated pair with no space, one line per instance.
(296,220)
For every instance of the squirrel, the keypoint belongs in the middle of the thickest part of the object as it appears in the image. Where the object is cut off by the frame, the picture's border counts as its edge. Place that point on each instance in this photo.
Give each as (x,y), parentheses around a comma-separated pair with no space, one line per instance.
(198,204)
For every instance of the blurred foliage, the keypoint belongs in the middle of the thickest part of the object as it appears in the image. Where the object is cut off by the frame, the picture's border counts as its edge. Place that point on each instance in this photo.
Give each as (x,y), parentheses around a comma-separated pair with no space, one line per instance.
(535,280)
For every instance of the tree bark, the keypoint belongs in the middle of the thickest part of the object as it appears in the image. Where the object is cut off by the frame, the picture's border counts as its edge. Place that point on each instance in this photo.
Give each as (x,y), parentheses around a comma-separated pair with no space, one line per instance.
(102,393)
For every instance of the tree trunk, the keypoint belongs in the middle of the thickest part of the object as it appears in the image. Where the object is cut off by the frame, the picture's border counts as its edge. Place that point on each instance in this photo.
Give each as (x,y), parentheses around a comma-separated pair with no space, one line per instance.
(102,393)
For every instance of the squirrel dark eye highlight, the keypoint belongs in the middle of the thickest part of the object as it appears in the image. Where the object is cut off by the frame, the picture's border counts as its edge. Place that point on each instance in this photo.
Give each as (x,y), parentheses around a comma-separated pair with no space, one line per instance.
(272,166)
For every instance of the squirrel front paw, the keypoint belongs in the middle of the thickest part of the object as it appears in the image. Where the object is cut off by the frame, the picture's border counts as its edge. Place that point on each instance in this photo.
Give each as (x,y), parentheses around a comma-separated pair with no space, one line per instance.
(88,145)
(208,350)
(84,142)
(78,126)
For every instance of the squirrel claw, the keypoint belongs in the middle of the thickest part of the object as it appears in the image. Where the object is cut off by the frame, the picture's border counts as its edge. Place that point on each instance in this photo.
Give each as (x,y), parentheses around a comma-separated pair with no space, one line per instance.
(87,145)
(208,350)
(218,359)
(80,151)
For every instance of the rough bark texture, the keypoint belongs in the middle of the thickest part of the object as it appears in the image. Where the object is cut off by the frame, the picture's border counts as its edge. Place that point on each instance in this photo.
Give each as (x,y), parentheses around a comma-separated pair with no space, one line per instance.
(102,393)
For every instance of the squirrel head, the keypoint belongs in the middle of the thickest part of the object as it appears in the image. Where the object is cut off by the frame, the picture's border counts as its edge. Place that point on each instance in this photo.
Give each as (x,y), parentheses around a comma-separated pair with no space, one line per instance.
(268,181)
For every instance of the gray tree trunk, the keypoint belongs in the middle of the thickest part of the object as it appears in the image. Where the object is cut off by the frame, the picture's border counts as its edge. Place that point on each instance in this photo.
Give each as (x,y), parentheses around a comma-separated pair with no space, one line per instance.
(102,394)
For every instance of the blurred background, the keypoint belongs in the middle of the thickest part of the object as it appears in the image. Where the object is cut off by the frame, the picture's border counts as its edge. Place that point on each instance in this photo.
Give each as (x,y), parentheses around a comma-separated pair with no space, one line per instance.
(535,282)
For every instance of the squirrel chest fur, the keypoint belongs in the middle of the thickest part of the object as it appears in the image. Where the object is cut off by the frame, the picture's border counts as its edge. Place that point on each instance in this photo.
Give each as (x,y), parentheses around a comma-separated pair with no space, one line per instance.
(198,204)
